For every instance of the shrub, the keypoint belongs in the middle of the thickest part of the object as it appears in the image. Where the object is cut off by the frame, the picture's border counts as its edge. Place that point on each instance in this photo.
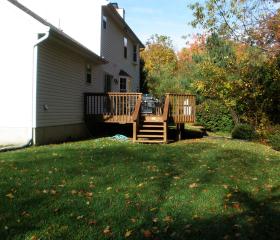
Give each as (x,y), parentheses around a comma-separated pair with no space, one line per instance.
(274,140)
(244,131)
(214,116)
(272,133)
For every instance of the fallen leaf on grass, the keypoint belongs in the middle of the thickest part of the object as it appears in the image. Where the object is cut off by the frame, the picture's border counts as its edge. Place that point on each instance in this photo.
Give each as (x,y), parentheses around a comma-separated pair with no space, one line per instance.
(229,195)
(53,192)
(155,220)
(147,233)
(193,185)
(25,214)
(109,188)
(89,194)
(195,217)
(56,210)
(126,195)
(168,219)
(128,233)
(34,237)
(188,226)
(10,195)
(133,220)
(92,222)
(236,206)
(73,192)
(107,231)
(80,217)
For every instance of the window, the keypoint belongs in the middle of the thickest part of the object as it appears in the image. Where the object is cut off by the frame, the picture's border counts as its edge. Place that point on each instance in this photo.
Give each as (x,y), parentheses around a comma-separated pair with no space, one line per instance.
(88,73)
(104,22)
(135,53)
(123,85)
(108,83)
(125,47)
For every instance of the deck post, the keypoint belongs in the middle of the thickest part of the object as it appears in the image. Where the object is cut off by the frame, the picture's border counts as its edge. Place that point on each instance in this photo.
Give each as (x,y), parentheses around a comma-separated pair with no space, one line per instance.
(135,131)
(180,127)
(165,130)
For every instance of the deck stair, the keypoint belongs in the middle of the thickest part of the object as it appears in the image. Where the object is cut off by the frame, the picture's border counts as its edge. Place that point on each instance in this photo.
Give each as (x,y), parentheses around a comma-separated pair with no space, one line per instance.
(152,132)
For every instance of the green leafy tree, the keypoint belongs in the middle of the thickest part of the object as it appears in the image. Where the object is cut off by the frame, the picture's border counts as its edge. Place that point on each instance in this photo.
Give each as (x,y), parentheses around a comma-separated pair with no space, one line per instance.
(160,63)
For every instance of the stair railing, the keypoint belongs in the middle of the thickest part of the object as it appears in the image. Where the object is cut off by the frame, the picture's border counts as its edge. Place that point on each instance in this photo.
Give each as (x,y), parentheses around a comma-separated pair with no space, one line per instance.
(136,117)
(165,117)
(166,109)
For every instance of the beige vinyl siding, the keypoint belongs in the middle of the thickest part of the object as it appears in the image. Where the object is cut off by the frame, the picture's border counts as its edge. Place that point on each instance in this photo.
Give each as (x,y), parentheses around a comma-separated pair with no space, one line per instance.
(61,83)
(112,48)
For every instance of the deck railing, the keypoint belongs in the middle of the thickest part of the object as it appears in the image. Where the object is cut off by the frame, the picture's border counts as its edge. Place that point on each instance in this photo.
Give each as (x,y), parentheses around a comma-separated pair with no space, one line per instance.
(115,107)
(181,108)
(110,107)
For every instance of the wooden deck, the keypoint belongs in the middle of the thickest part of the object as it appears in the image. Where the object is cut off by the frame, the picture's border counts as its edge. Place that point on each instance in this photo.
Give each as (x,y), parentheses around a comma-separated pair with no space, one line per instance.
(125,108)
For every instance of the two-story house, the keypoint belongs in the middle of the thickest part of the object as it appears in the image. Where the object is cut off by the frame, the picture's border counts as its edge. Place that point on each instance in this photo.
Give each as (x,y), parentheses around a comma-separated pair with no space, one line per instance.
(100,26)
(52,52)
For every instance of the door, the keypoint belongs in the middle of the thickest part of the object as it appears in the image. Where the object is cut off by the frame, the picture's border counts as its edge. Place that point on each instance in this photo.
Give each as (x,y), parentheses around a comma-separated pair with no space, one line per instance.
(108,83)
(123,84)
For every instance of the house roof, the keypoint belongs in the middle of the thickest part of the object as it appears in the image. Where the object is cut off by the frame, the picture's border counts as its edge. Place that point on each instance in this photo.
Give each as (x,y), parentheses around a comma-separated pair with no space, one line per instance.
(110,8)
(60,35)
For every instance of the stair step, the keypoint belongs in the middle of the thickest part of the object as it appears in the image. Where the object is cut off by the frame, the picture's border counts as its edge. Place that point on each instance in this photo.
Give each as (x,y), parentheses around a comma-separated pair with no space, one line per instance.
(152,126)
(155,121)
(150,131)
(150,136)
(152,118)
(150,141)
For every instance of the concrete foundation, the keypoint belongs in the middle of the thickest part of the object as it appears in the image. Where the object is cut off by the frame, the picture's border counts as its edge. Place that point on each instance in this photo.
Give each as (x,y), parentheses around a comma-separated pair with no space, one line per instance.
(58,134)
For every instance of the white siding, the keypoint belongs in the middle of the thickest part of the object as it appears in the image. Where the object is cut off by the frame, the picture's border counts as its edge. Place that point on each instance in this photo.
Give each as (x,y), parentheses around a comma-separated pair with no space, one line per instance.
(79,19)
(19,33)
(61,84)
(112,48)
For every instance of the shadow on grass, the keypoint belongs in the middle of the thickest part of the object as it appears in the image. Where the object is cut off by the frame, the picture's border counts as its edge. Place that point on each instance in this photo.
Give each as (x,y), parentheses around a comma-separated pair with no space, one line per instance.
(123,167)
(258,221)
(109,130)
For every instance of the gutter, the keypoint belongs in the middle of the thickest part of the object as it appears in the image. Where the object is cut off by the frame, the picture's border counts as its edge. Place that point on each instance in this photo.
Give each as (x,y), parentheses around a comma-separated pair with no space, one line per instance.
(30,142)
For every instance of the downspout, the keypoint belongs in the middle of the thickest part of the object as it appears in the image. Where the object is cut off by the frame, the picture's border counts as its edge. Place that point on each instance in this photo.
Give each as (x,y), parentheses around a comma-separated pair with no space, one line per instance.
(34,94)
(34,84)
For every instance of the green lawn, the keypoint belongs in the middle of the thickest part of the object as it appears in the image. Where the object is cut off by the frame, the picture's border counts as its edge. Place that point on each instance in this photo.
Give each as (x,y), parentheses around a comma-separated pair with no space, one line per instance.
(101,189)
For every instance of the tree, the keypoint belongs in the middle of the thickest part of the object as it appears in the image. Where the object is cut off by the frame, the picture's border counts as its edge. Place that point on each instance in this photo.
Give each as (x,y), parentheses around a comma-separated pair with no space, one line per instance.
(241,77)
(238,20)
(267,35)
(160,63)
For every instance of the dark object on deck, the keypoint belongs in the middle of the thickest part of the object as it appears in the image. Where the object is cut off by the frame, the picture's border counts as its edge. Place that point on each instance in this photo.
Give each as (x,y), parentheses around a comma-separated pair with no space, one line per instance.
(149,104)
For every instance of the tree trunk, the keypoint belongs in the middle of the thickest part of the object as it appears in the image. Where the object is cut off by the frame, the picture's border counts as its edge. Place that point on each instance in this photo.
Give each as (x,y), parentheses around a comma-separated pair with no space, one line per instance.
(234,116)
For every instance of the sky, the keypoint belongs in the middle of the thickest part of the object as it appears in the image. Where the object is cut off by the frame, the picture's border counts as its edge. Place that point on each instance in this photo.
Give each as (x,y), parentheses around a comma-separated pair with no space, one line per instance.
(164,17)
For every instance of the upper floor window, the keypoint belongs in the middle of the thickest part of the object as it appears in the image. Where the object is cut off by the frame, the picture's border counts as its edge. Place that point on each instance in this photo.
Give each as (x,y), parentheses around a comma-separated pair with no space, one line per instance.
(88,73)
(135,53)
(125,47)
(104,22)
